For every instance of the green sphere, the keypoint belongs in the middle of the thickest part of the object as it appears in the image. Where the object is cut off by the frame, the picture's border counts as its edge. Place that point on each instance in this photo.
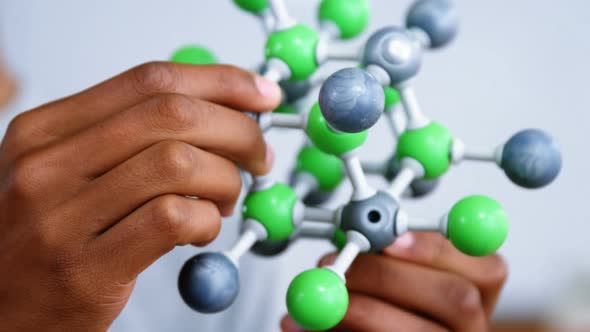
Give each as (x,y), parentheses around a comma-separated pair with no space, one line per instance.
(317,299)
(296,47)
(477,225)
(339,239)
(285,109)
(328,140)
(252,6)
(193,55)
(430,146)
(350,16)
(391,98)
(273,208)
(327,169)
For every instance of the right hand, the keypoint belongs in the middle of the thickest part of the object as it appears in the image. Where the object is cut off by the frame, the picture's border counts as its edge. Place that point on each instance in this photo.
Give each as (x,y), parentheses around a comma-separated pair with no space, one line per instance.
(94,186)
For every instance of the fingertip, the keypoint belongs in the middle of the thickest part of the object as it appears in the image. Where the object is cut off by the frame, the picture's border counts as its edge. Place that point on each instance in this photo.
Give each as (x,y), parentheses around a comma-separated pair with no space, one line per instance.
(269,90)
(327,260)
(289,325)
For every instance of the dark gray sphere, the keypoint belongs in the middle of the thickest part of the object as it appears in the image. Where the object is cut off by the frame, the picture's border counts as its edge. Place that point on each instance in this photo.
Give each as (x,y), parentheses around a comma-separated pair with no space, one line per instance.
(295,90)
(209,282)
(437,18)
(270,248)
(418,187)
(351,100)
(373,217)
(531,159)
(394,50)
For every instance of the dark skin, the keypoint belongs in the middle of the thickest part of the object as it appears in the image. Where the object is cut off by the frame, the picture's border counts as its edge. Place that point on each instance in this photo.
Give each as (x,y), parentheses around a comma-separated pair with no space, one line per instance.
(93,191)
(422,283)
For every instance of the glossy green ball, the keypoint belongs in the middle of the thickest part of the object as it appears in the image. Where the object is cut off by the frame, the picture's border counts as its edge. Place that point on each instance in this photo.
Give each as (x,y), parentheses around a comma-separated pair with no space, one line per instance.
(327,169)
(252,6)
(273,208)
(194,55)
(296,47)
(392,98)
(350,16)
(317,299)
(430,146)
(328,140)
(477,225)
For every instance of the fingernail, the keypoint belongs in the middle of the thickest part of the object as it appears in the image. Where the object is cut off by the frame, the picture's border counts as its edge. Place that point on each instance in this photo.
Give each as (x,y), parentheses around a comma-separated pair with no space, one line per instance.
(289,325)
(267,88)
(404,242)
(270,156)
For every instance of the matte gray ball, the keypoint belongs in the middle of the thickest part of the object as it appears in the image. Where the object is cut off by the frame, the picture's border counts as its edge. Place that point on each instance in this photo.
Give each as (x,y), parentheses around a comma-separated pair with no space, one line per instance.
(209,282)
(437,18)
(394,50)
(418,187)
(270,248)
(351,100)
(531,159)
(373,217)
(295,90)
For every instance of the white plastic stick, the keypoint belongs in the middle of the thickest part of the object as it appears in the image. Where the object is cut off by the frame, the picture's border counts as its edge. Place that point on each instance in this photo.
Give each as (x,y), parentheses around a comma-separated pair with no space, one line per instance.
(312,229)
(360,186)
(401,182)
(304,184)
(319,214)
(356,243)
(253,231)
(375,167)
(396,121)
(281,16)
(416,119)
(479,154)
(342,51)
(295,121)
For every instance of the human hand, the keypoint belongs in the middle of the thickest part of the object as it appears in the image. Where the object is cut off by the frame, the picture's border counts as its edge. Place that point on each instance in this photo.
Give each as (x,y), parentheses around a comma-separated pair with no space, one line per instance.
(421,283)
(94,186)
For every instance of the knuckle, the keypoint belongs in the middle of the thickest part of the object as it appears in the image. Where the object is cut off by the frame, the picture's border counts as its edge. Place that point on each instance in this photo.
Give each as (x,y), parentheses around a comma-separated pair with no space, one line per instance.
(20,129)
(154,78)
(464,298)
(25,177)
(176,159)
(234,183)
(167,216)
(174,111)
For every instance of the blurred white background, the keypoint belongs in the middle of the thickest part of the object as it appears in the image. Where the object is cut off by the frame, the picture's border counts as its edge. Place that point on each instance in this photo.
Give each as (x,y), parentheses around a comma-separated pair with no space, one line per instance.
(515,64)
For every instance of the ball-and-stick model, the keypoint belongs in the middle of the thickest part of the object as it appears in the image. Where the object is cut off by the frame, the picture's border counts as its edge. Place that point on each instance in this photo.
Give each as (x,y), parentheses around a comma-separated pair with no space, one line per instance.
(351,101)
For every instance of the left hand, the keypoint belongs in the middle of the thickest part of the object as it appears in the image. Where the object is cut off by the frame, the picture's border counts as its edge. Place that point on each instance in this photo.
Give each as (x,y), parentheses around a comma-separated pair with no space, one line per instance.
(421,283)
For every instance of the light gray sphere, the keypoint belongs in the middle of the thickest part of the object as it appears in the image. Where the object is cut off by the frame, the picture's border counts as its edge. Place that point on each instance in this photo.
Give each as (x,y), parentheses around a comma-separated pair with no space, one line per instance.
(531,159)
(351,100)
(394,50)
(209,282)
(437,18)
(418,187)
(373,217)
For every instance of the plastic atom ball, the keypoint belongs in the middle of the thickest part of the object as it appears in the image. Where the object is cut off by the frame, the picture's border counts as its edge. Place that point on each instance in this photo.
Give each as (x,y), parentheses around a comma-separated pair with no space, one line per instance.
(252,6)
(437,18)
(296,47)
(193,55)
(328,140)
(477,225)
(209,282)
(430,146)
(351,100)
(531,159)
(327,169)
(273,208)
(351,16)
(317,299)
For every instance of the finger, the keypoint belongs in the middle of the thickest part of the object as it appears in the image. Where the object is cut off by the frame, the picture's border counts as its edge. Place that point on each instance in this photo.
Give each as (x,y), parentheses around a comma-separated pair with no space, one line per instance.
(169,167)
(369,314)
(449,299)
(152,230)
(220,84)
(168,117)
(433,250)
